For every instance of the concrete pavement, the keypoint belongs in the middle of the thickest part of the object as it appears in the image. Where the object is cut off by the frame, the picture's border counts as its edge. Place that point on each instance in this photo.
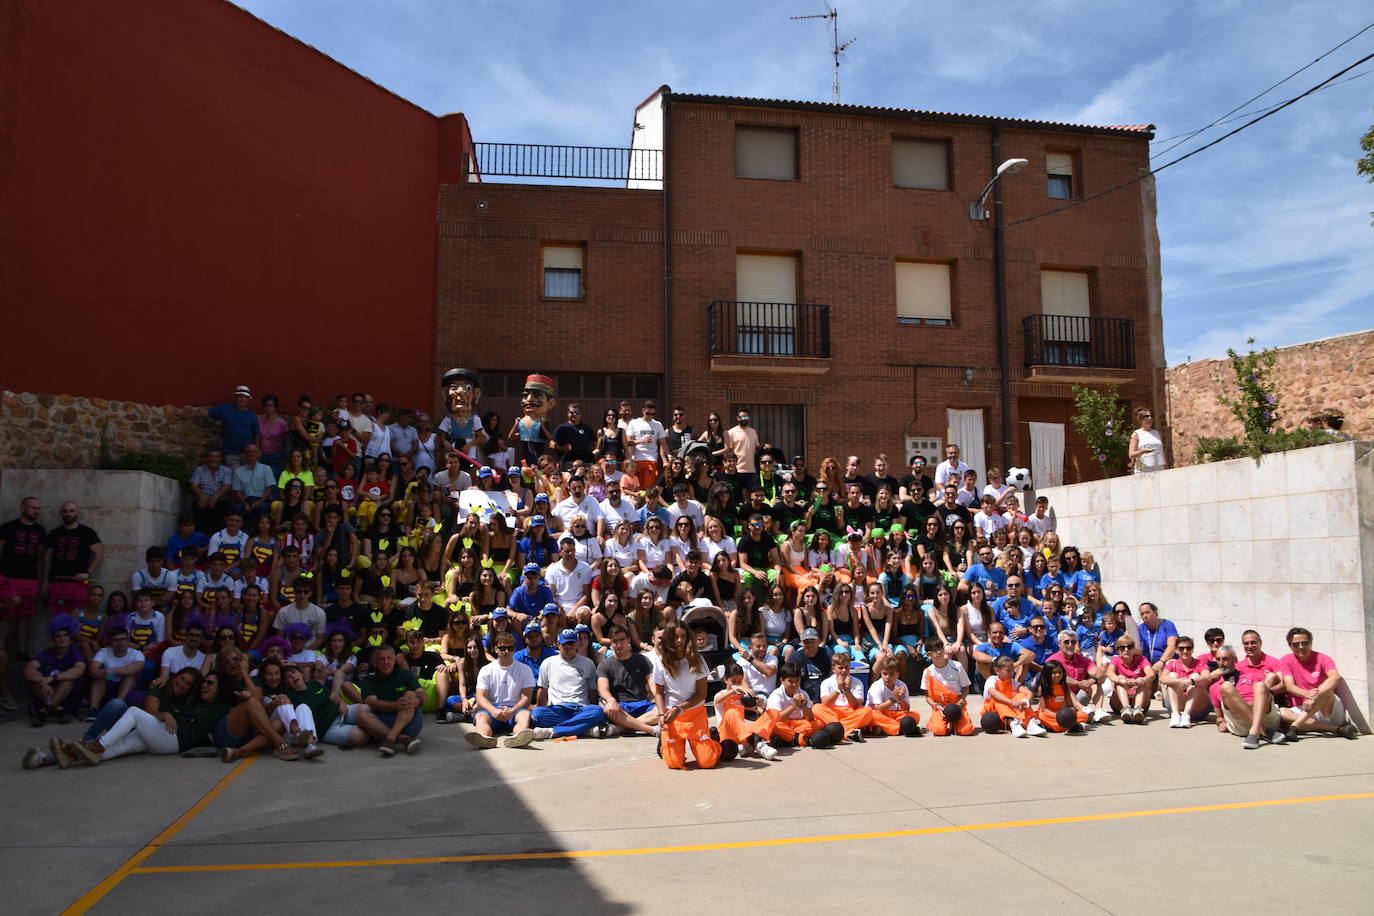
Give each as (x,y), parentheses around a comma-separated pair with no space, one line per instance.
(603,825)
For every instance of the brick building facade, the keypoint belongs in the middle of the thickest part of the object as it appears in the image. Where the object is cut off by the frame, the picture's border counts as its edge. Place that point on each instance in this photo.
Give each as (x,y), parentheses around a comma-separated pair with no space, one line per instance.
(830,362)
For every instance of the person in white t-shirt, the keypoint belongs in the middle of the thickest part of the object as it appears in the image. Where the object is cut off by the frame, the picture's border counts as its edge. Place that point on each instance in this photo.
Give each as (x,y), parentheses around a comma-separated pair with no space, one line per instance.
(118,665)
(568,703)
(569,578)
(645,436)
(946,686)
(950,468)
(680,691)
(188,654)
(890,701)
(505,696)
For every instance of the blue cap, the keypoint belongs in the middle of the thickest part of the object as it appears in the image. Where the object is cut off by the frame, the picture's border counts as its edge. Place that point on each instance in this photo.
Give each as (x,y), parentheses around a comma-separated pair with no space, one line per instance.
(484,471)
(567,637)
(550,609)
(531,569)
(537,520)
(582,628)
(539,496)
(531,628)
(500,612)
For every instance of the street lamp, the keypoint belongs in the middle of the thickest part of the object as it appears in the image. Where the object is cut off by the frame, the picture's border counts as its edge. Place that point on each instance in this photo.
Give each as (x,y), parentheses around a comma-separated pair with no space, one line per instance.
(1010,167)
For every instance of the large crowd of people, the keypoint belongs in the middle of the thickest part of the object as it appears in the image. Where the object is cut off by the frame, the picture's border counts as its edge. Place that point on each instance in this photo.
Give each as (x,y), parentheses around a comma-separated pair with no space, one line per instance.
(344,574)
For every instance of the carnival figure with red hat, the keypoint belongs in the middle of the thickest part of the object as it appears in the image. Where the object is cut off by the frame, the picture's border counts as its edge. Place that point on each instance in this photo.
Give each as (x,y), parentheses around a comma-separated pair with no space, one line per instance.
(537,398)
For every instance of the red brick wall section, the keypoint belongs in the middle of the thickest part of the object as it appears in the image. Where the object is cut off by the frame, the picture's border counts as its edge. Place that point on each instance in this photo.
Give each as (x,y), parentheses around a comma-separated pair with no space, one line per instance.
(1332,372)
(189,192)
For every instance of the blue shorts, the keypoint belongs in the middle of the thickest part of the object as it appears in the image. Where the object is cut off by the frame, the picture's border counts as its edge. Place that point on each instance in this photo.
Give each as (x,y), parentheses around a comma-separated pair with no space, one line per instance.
(636,708)
(411,728)
(225,738)
(497,726)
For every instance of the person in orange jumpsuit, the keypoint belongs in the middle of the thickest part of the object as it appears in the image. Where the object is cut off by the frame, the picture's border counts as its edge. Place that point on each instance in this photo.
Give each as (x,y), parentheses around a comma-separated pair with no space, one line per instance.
(794,719)
(679,681)
(1060,710)
(735,703)
(1008,704)
(842,700)
(890,702)
(946,685)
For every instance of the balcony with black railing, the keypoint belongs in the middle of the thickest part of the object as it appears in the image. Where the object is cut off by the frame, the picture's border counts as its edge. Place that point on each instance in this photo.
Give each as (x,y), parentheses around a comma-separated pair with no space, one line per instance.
(1075,342)
(785,334)
(570,164)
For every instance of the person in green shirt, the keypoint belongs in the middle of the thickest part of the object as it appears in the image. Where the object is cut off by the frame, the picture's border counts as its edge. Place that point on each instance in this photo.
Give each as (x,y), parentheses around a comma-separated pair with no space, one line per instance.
(391,701)
(313,710)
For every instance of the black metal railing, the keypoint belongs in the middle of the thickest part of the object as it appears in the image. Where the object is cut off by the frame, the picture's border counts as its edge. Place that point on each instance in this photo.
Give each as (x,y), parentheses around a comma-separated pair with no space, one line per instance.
(1075,341)
(769,329)
(595,163)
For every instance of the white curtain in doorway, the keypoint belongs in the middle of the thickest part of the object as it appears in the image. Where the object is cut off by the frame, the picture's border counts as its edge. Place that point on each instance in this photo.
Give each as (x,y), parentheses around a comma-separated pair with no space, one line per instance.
(966,431)
(1047,454)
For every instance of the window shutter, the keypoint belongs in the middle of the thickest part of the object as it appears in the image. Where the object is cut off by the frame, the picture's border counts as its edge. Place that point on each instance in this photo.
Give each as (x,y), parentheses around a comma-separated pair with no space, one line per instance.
(920,164)
(1059,164)
(566,257)
(765,278)
(923,291)
(765,153)
(1065,293)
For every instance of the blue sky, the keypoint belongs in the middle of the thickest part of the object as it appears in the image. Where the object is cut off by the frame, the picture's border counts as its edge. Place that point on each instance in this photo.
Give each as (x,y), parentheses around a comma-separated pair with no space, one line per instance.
(1266,235)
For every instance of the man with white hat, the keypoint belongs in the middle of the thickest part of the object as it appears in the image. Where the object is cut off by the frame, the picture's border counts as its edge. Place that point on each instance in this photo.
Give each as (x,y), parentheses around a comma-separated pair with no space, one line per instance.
(238,424)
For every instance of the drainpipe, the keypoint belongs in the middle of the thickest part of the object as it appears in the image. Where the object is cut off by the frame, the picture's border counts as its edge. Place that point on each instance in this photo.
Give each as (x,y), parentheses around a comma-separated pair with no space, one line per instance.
(666,166)
(1003,332)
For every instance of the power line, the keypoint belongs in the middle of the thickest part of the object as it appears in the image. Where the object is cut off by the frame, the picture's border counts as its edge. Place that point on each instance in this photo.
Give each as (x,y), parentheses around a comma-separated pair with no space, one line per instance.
(1188,136)
(1188,155)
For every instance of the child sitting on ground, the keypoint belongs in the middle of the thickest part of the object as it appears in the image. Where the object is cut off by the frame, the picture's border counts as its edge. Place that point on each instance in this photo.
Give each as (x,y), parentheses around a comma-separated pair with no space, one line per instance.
(890,702)
(1006,704)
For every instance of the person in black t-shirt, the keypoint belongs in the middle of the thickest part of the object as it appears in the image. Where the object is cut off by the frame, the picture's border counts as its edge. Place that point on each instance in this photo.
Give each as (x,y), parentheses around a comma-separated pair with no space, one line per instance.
(622,682)
(690,584)
(574,439)
(804,481)
(75,554)
(679,432)
(916,484)
(756,554)
(950,511)
(418,660)
(21,546)
(880,478)
(344,607)
(813,659)
(788,509)
(857,515)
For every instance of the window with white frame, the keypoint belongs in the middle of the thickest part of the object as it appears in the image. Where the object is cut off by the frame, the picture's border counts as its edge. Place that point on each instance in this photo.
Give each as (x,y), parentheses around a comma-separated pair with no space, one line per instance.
(923,293)
(766,152)
(920,163)
(563,265)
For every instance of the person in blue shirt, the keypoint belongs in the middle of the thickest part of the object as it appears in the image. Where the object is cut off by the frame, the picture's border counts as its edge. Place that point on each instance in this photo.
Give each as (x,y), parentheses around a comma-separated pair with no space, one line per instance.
(238,423)
(1054,577)
(986,574)
(186,536)
(1089,572)
(531,595)
(998,646)
(1014,615)
(536,650)
(1158,638)
(1039,644)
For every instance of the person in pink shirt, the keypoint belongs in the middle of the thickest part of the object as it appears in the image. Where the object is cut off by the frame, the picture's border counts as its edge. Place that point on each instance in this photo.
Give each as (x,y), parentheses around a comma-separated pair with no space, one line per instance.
(1242,689)
(1133,681)
(1215,637)
(1081,675)
(1184,686)
(1311,679)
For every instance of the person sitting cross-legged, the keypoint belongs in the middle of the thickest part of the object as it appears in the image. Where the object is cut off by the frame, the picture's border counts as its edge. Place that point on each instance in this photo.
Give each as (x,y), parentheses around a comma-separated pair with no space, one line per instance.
(567,694)
(624,682)
(505,695)
(391,703)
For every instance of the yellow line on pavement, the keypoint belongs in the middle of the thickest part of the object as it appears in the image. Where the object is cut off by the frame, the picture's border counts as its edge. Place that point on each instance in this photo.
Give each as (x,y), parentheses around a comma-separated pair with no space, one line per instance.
(745,844)
(97,893)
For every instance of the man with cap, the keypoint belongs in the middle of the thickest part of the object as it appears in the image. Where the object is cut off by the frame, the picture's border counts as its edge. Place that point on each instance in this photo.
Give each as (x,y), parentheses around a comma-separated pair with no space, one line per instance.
(238,423)
(567,695)
(532,429)
(569,578)
(812,661)
(535,650)
(462,427)
(529,597)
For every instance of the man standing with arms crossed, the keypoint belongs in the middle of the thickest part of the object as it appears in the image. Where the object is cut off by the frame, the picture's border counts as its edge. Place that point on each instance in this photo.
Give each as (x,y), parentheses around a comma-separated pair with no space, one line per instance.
(21,548)
(74,554)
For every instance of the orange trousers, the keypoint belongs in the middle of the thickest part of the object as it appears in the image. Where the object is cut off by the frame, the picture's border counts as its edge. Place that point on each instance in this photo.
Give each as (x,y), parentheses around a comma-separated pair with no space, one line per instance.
(942,696)
(788,729)
(848,718)
(890,722)
(1007,710)
(1049,708)
(735,727)
(694,728)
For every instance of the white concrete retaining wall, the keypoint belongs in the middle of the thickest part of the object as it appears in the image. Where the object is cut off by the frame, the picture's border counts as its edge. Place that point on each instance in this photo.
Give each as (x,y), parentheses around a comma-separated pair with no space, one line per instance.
(130,510)
(1284,541)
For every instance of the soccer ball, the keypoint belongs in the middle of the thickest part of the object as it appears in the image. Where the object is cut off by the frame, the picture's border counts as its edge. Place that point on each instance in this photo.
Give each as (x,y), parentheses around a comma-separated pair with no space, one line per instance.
(1020,478)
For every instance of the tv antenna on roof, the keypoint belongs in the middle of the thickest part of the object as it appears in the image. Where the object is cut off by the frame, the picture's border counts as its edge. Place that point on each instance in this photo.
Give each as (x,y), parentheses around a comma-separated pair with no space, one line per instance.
(836,48)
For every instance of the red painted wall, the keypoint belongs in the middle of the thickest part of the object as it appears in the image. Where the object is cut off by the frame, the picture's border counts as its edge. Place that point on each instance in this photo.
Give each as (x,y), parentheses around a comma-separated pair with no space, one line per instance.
(193,200)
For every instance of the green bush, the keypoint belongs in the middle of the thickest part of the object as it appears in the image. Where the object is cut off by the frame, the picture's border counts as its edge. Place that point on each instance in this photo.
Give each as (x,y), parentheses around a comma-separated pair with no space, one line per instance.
(1220,449)
(173,466)
(1279,440)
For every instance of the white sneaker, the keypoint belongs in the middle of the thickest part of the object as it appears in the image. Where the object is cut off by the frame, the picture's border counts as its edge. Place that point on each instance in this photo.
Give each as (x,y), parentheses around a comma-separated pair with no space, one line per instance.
(1101,715)
(1185,720)
(766,751)
(1035,729)
(1173,720)
(1017,729)
(480,741)
(543,734)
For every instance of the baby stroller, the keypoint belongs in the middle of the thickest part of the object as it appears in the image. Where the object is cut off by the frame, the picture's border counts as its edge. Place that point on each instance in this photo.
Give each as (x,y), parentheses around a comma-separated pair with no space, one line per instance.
(701,616)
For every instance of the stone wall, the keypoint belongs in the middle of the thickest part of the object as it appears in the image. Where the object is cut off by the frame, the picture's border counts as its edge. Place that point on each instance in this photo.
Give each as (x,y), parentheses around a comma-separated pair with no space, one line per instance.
(1287,540)
(1332,372)
(61,431)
